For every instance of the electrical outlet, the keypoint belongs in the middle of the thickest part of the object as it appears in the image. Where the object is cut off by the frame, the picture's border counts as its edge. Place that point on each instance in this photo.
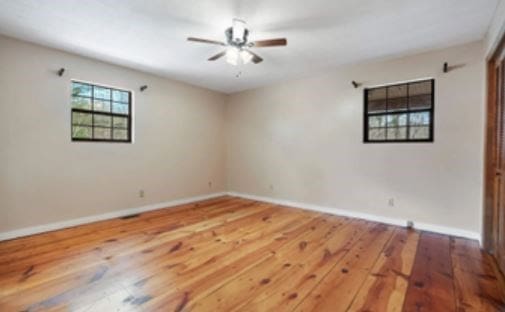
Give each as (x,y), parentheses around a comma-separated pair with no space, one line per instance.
(391,202)
(141,194)
(410,224)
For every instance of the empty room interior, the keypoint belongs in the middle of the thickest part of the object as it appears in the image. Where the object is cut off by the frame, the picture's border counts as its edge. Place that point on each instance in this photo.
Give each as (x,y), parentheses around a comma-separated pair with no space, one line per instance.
(266,155)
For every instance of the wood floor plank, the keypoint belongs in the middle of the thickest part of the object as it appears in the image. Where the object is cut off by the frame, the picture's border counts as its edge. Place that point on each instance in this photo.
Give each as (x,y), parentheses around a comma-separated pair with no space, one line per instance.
(58,284)
(119,300)
(232,254)
(431,286)
(28,242)
(284,294)
(167,222)
(338,288)
(37,274)
(287,262)
(475,279)
(386,285)
(125,240)
(155,262)
(196,284)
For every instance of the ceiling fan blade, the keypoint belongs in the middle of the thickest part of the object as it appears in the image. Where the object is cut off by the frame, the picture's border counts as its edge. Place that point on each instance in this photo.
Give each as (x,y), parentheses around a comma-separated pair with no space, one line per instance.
(256,58)
(205,41)
(215,57)
(270,43)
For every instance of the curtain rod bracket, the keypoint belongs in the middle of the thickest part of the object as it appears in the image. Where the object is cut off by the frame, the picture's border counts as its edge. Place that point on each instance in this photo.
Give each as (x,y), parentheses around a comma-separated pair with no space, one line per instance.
(446,67)
(143,88)
(61,71)
(355,84)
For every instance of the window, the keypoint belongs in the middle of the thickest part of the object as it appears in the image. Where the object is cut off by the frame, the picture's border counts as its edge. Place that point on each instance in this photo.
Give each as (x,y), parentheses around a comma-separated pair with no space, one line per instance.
(400,112)
(100,113)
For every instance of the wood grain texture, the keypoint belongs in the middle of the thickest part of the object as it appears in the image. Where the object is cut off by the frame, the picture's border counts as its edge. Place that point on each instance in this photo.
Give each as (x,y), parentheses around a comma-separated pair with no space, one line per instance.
(475,278)
(385,287)
(339,287)
(232,254)
(432,282)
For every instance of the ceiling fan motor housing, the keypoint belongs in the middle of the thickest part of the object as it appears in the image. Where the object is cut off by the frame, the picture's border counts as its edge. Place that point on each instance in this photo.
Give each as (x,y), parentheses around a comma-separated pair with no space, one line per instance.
(237,42)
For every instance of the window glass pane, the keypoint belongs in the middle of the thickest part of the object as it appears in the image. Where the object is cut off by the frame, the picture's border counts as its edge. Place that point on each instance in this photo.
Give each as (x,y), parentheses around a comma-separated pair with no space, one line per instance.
(397,133)
(397,98)
(397,120)
(119,108)
(377,94)
(81,89)
(82,103)
(102,133)
(81,132)
(419,133)
(120,134)
(377,134)
(420,88)
(102,106)
(376,121)
(102,102)
(378,106)
(400,112)
(101,93)
(120,122)
(377,100)
(120,96)
(419,118)
(397,91)
(420,95)
(420,102)
(82,119)
(103,121)
(397,104)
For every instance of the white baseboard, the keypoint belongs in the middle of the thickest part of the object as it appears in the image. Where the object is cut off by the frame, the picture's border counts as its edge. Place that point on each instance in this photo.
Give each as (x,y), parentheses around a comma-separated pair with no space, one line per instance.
(106,216)
(341,212)
(355,214)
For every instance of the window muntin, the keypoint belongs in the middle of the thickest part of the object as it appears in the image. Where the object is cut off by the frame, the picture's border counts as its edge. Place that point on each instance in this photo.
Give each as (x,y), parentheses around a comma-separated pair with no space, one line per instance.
(400,113)
(100,113)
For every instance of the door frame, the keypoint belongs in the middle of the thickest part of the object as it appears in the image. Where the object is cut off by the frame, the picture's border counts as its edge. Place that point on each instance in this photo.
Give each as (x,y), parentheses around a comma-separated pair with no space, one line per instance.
(491,215)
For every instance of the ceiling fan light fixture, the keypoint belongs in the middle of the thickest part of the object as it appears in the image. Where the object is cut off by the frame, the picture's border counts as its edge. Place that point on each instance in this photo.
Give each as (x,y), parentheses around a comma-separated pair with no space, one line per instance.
(246,56)
(232,55)
(237,45)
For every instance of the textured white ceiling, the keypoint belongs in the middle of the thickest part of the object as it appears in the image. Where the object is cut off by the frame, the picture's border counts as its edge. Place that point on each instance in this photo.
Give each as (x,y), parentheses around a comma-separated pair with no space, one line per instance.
(150,35)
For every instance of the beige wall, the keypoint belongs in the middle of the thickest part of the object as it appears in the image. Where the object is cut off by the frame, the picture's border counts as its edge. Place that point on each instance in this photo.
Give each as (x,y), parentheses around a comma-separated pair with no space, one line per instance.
(44,177)
(302,141)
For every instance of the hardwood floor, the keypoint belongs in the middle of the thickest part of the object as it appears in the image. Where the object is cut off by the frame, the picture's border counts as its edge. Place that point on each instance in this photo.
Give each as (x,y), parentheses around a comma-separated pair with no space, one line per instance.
(230,254)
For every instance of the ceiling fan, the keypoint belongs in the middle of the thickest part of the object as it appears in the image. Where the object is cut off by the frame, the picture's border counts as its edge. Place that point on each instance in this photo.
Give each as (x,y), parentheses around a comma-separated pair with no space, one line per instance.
(237,45)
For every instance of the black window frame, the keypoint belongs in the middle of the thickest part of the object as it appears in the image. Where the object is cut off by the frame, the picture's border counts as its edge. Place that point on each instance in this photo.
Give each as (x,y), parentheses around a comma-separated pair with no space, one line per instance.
(431,110)
(93,112)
